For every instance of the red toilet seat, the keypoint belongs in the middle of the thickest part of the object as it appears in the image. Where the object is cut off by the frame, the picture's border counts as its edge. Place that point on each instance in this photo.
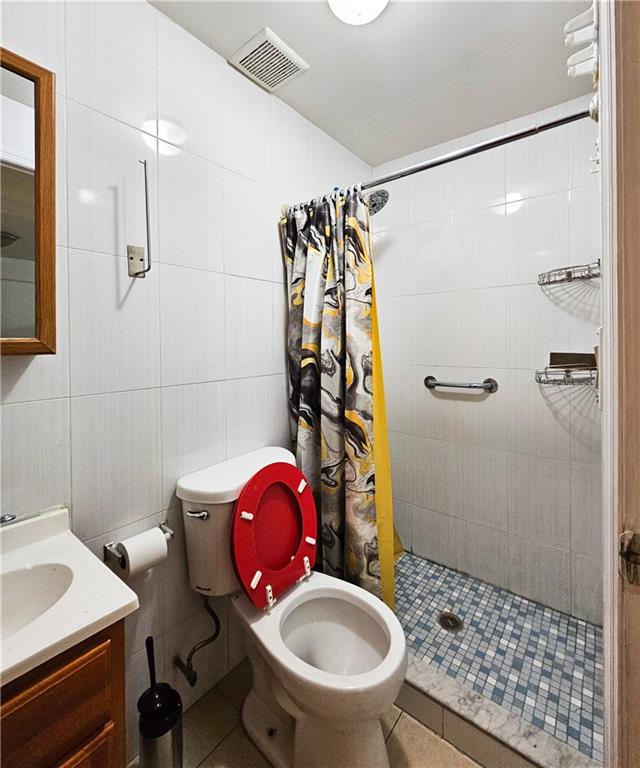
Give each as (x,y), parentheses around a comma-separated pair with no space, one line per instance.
(273,535)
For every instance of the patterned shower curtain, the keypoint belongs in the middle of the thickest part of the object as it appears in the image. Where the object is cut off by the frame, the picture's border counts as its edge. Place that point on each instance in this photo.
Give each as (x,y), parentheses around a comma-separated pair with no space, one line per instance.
(336,396)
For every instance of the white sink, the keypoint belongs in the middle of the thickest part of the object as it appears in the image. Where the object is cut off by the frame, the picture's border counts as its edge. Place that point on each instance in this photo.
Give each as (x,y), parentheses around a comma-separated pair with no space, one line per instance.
(55,592)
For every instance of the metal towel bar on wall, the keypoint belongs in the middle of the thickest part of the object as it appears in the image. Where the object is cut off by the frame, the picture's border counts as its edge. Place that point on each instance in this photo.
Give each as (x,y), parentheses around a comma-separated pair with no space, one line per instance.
(135,253)
(488,385)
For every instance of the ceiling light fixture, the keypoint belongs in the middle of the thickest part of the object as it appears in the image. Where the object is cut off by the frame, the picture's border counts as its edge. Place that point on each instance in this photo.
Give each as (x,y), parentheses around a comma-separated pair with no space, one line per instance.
(357,12)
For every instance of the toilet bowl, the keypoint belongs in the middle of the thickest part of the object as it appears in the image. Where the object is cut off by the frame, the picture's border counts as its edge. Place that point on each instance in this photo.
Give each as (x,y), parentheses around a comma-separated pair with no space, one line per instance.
(328,658)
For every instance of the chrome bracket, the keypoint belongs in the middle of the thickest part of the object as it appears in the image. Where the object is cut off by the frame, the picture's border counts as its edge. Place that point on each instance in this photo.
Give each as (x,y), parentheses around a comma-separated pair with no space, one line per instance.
(629,551)
(271,600)
(111,552)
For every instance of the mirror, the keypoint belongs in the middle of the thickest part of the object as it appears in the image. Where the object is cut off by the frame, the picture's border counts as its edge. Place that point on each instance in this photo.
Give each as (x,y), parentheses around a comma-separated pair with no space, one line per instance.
(27,207)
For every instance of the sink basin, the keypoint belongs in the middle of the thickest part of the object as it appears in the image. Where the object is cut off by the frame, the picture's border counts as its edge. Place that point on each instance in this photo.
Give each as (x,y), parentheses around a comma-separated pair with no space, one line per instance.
(55,592)
(28,592)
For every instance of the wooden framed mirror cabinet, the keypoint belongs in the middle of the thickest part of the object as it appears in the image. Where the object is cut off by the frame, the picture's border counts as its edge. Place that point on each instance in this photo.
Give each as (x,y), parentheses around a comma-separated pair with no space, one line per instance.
(27,207)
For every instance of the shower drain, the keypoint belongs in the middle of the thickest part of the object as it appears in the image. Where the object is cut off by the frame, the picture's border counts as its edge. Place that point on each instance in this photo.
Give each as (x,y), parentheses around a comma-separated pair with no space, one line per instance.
(450,621)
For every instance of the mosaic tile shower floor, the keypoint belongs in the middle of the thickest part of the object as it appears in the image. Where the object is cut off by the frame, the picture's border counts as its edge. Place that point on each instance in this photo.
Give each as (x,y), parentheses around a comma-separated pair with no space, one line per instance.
(541,664)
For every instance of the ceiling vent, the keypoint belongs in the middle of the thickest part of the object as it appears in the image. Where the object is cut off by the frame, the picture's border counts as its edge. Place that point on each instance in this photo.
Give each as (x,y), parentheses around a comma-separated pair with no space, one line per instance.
(267,60)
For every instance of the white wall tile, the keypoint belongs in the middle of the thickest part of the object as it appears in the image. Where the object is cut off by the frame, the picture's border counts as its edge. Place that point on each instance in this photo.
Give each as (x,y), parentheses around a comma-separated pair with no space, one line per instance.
(114,333)
(403,522)
(582,146)
(430,194)
(434,536)
(256,414)
(193,432)
(35,456)
(36,32)
(250,328)
(115,448)
(480,552)
(584,224)
(291,143)
(62,234)
(106,182)
(251,243)
(478,248)
(478,323)
(587,530)
(537,236)
(396,211)
(540,573)
(424,470)
(482,495)
(179,601)
(246,127)
(111,59)
(191,220)
(482,417)
(586,580)
(192,325)
(539,416)
(427,257)
(479,181)
(536,326)
(39,377)
(537,165)
(540,499)
(189,92)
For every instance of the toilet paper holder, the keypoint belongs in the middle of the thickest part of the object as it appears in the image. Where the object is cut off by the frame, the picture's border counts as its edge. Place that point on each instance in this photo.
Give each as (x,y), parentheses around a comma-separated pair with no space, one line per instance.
(110,551)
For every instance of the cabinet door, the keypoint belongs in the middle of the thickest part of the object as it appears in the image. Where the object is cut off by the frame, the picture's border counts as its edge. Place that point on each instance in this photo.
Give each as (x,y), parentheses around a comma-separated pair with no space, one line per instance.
(98,752)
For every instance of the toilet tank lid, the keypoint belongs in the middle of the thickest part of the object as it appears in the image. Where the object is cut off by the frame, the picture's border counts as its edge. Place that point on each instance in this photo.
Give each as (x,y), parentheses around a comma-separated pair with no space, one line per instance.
(221,483)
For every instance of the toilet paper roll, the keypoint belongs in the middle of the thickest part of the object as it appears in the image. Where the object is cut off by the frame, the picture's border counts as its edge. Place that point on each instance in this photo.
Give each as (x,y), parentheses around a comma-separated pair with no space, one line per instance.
(143,551)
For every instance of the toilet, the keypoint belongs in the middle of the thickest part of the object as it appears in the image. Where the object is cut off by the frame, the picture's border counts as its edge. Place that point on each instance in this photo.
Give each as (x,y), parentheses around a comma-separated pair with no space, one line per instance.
(328,658)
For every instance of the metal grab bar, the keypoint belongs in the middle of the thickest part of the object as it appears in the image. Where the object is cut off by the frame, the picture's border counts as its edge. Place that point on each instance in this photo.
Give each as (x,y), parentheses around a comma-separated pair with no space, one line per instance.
(488,385)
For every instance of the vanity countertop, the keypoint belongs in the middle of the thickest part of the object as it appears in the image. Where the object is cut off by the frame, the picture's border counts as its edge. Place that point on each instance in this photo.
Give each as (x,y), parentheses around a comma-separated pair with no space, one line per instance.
(55,592)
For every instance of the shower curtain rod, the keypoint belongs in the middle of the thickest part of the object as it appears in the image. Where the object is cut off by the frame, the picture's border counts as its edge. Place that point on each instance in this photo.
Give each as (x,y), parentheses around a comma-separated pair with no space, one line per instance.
(474,149)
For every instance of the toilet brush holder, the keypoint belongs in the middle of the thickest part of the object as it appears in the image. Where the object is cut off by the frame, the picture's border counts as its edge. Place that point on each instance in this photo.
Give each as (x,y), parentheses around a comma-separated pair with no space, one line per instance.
(160,723)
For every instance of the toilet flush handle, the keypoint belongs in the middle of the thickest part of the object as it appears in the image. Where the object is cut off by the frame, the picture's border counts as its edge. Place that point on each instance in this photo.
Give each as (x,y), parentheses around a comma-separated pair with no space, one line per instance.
(201,515)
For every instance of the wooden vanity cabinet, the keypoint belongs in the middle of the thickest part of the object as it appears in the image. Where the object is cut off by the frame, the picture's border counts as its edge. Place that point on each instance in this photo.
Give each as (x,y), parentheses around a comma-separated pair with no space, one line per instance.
(69,711)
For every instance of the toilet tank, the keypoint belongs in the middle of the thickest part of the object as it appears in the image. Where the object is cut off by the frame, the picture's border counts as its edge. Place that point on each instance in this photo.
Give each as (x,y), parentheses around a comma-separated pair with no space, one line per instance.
(208,497)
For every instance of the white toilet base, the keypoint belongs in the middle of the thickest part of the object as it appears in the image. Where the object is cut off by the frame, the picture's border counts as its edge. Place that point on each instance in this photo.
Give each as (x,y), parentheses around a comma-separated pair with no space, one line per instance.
(273,735)
(312,743)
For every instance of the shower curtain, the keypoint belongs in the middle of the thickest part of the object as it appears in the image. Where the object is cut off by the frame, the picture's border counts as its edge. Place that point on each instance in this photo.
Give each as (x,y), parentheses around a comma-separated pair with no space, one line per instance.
(336,393)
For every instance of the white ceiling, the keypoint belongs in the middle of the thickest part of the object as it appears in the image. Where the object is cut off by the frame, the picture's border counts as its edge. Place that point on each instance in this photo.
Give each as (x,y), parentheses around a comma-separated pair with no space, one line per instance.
(422,73)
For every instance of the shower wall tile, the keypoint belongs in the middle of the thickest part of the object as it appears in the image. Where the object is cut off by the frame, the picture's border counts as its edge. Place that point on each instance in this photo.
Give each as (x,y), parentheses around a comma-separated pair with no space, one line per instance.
(480,494)
(584,224)
(396,211)
(476,337)
(478,181)
(291,138)
(480,552)
(433,536)
(537,165)
(427,257)
(478,248)
(106,182)
(537,236)
(111,59)
(586,588)
(403,523)
(582,144)
(114,330)
(193,432)
(431,194)
(415,458)
(539,499)
(587,530)
(190,210)
(540,573)
(191,123)
(482,417)
(192,316)
(539,417)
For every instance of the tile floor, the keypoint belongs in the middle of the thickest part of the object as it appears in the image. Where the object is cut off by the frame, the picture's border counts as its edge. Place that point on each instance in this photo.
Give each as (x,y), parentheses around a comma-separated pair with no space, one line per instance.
(215,738)
(535,661)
